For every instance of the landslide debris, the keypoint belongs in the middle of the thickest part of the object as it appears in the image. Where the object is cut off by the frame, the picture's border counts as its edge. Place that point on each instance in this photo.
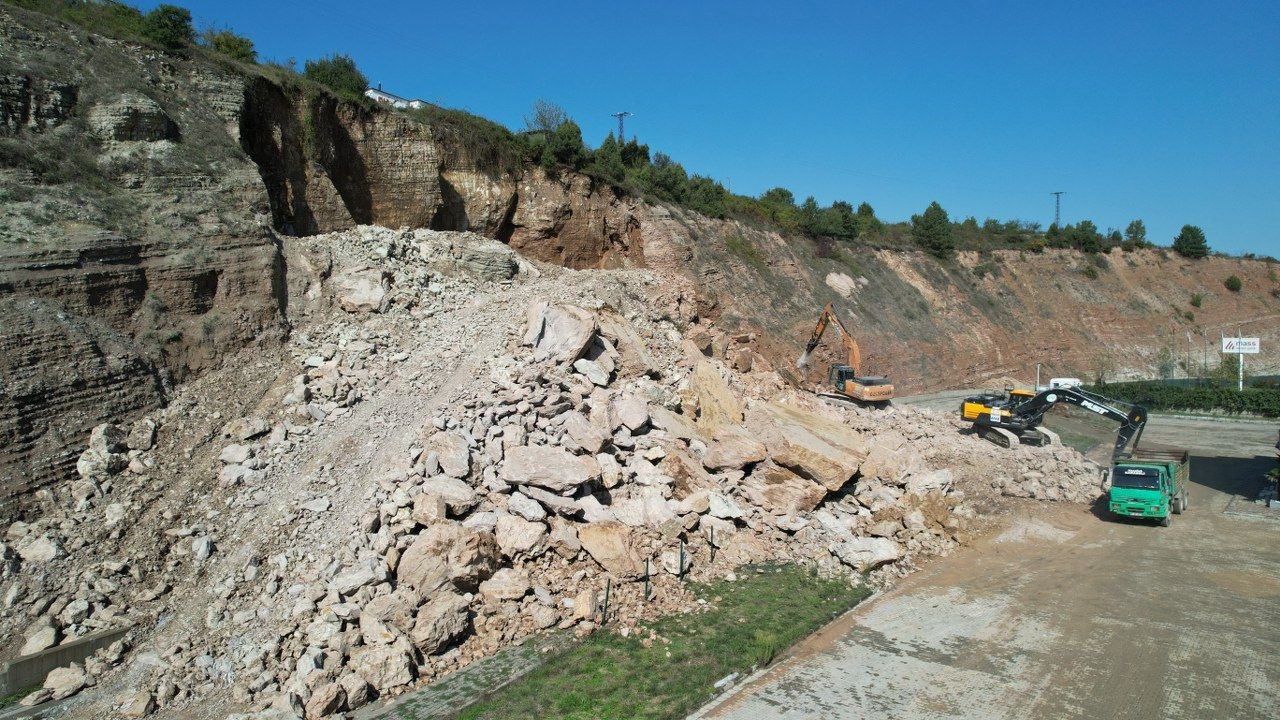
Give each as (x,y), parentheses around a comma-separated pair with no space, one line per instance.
(457,448)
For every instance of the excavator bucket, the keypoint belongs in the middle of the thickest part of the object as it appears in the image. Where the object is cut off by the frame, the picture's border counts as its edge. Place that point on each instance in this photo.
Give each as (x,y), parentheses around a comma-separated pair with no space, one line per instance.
(803,362)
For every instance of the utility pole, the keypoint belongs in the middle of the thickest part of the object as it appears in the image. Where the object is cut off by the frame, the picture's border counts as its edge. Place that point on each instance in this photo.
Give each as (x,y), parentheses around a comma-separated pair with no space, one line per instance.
(1240,364)
(620,115)
(1057,206)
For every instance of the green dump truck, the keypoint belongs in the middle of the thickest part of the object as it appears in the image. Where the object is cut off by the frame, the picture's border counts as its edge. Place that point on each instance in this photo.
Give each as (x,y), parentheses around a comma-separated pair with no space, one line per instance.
(1151,483)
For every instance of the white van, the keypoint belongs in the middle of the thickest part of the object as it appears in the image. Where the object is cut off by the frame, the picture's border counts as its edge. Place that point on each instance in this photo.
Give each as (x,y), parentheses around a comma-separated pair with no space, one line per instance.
(1056,383)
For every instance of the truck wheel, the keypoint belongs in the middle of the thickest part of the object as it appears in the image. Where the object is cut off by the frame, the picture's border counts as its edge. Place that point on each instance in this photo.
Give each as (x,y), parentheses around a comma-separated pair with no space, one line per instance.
(1186,499)
(1166,521)
(1176,505)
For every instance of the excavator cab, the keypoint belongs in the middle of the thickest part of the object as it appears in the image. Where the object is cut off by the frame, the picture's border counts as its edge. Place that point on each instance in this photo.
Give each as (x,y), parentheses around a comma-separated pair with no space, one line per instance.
(867,388)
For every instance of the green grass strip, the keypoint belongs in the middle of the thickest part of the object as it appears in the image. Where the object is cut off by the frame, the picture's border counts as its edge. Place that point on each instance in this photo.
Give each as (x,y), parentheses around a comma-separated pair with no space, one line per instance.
(609,676)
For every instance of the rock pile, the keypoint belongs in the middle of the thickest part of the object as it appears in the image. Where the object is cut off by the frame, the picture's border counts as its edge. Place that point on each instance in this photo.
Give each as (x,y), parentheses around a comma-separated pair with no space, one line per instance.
(438,475)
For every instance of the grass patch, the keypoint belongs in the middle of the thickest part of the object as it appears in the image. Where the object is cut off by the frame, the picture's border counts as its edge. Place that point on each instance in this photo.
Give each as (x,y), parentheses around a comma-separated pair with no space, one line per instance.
(609,676)
(13,697)
(743,248)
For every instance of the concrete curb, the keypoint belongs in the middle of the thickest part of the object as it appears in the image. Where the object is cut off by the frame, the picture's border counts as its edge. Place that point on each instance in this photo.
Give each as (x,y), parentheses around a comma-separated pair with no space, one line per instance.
(732,690)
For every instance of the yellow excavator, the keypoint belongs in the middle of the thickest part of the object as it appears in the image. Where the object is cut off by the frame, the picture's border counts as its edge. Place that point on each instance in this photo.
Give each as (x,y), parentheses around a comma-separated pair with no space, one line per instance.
(848,380)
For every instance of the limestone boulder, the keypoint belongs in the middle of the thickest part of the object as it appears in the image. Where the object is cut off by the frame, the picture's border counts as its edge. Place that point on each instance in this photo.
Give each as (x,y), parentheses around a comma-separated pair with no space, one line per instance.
(630,411)
(559,333)
(733,448)
(452,451)
(552,468)
(448,553)
(363,290)
(459,497)
(517,535)
(441,620)
(812,445)
(866,553)
(385,667)
(615,547)
(506,584)
(66,681)
(780,491)
(325,701)
(714,403)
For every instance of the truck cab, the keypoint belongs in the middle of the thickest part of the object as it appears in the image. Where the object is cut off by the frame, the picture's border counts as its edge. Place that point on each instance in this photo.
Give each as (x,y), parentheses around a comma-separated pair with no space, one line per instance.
(1149,488)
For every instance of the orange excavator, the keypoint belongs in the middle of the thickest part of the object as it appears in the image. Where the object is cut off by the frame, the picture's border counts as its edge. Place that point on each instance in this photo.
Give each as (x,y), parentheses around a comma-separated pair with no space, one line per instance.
(848,381)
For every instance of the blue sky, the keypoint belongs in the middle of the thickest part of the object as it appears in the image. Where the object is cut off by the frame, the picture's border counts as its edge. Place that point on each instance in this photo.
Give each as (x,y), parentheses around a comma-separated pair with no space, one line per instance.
(1167,111)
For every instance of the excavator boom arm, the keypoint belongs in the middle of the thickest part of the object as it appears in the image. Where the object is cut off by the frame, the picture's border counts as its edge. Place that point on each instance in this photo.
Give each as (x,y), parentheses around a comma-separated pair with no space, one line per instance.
(1132,422)
(851,346)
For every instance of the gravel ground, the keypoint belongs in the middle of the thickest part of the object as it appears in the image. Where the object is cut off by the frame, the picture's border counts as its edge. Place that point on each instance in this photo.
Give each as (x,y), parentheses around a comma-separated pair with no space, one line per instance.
(1068,613)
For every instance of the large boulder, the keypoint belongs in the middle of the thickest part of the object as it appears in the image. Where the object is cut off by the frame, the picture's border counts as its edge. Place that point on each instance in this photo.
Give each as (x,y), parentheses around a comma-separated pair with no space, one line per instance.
(452,451)
(517,535)
(615,547)
(385,667)
(715,403)
(780,491)
(733,448)
(506,584)
(65,681)
(325,701)
(363,289)
(459,497)
(629,410)
(809,444)
(865,553)
(548,467)
(559,333)
(448,552)
(439,621)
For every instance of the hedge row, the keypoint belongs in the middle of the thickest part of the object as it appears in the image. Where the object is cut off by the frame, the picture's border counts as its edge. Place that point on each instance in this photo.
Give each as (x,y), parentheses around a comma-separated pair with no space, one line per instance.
(1159,396)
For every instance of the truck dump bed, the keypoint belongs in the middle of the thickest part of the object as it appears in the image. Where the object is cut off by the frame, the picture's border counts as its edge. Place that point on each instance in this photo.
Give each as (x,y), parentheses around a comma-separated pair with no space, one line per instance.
(1163,454)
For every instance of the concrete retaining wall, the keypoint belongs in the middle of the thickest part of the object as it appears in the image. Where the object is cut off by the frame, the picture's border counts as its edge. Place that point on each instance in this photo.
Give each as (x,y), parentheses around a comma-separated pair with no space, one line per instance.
(31,669)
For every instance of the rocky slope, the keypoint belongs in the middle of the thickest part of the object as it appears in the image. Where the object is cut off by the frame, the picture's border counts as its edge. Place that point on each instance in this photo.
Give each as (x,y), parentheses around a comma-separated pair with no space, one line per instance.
(145,198)
(455,448)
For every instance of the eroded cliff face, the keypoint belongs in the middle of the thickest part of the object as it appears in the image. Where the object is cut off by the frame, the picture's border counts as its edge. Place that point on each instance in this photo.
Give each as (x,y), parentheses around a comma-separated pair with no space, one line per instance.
(329,166)
(135,243)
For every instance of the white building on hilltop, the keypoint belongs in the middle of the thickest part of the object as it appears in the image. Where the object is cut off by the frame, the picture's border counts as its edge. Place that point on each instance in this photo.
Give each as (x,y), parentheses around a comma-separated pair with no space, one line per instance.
(393,100)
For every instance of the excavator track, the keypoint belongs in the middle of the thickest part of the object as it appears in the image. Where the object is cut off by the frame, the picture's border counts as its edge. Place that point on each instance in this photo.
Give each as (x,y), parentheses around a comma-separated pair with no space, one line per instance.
(842,400)
(1000,436)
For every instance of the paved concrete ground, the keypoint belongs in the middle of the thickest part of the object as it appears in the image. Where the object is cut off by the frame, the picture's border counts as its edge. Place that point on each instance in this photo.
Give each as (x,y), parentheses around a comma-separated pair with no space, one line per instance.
(1067,613)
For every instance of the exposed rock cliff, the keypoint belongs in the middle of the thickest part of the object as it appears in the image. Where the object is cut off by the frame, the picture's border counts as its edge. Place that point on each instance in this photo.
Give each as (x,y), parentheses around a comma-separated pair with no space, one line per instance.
(143,202)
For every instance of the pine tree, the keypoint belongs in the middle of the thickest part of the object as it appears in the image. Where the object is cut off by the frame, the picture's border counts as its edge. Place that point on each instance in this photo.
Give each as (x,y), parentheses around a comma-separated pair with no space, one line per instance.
(1190,242)
(932,231)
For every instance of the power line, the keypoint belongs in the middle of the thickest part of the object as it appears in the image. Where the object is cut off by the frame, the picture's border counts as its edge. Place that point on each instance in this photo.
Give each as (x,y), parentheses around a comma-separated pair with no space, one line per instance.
(620,115)
(1057,207)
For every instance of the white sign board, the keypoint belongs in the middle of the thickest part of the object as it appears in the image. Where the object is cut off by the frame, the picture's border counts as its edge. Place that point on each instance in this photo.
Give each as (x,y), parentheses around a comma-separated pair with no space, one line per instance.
(1243,346)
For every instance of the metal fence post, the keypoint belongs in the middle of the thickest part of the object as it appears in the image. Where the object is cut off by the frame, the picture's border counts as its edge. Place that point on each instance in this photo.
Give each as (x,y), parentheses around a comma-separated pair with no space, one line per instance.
(604,611)
(646,579)
(680,567)
(713,543)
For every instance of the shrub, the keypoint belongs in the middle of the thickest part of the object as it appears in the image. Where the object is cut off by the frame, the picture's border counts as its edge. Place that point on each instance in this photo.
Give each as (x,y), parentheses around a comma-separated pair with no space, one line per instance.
(169,26)
(1160,396)
(236,47)
(1189,315)
(1036,246)
(338,73)
(1233,283)
(932,231)
(1090,272)
(1190,242)
(1196,299)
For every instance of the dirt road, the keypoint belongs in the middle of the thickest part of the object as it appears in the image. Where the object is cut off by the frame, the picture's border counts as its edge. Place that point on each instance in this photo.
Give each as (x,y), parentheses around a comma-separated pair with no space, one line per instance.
(1068,614)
